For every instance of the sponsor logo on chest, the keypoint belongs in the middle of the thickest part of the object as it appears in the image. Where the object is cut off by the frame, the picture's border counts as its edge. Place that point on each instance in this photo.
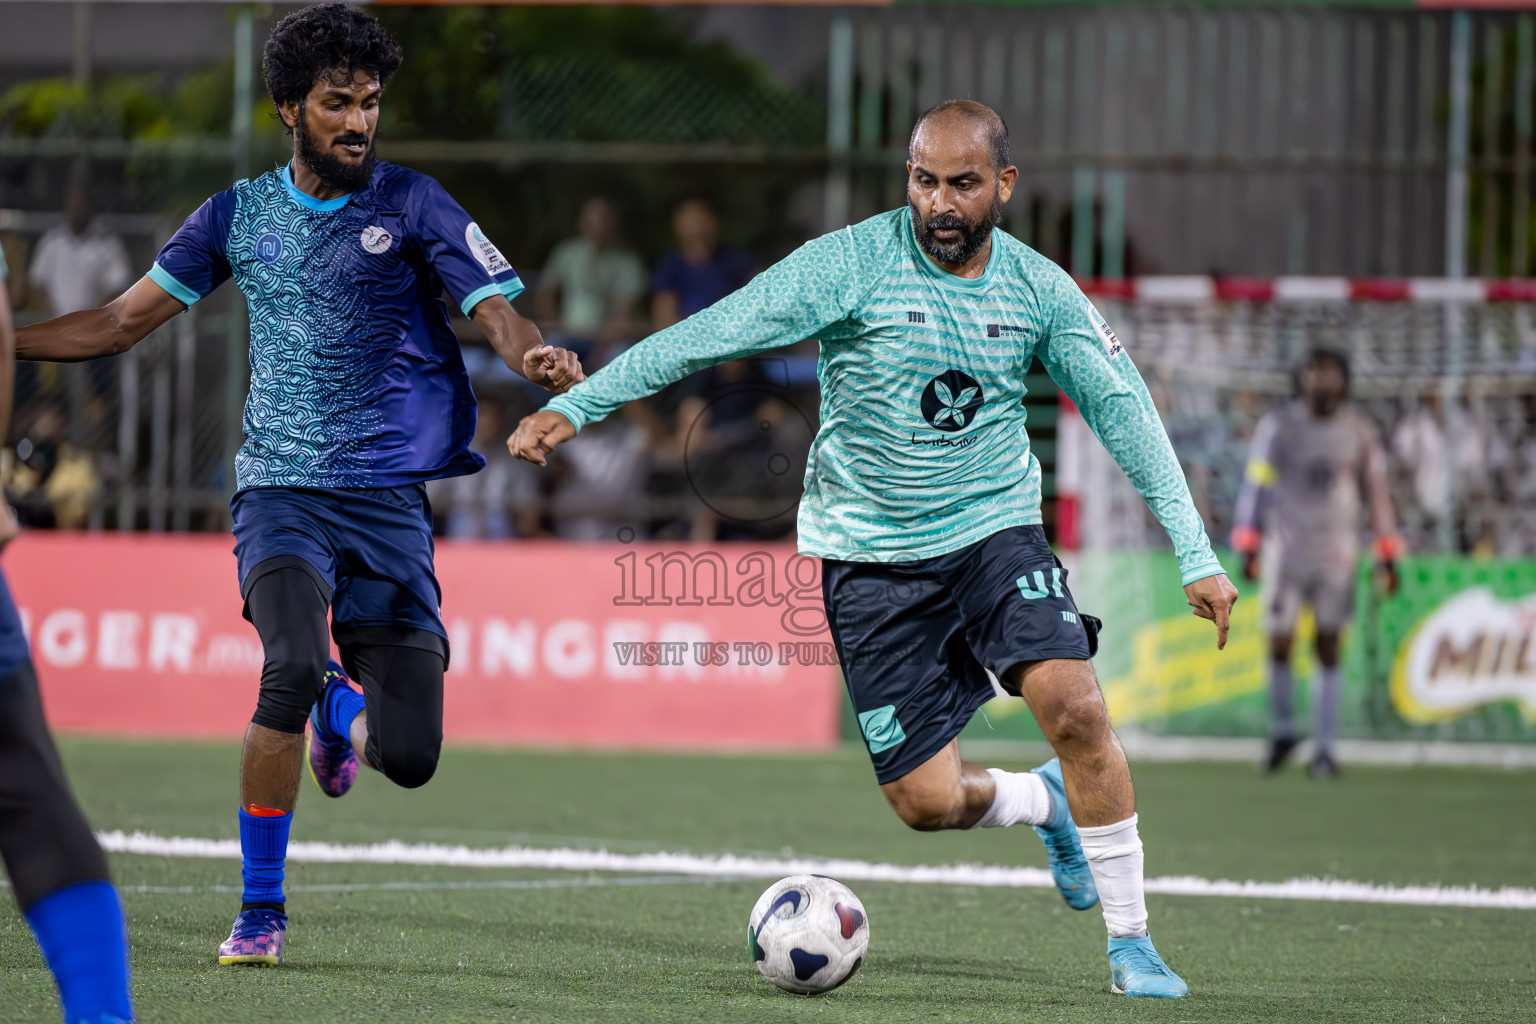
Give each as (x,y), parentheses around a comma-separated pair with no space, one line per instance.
(375,239)
(949,402)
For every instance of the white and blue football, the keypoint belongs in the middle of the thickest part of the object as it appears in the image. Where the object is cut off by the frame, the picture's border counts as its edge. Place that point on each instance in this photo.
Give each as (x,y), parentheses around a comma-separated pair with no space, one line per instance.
(808,933)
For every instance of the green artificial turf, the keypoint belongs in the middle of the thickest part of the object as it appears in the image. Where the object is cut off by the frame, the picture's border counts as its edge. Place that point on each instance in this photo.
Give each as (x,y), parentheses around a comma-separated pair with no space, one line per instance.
(392,942)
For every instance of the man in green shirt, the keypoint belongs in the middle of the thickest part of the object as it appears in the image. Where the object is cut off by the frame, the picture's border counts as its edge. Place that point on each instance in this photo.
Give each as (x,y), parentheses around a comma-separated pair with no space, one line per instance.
(922,498)
(589,287)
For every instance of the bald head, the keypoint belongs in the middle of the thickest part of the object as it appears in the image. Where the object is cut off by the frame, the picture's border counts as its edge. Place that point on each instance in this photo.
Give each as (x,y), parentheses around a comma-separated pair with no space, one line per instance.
(966,115)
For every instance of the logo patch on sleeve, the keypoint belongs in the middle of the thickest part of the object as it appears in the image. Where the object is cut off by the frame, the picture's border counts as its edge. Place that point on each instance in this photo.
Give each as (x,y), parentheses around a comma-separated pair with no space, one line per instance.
(485,250)
(1112,346)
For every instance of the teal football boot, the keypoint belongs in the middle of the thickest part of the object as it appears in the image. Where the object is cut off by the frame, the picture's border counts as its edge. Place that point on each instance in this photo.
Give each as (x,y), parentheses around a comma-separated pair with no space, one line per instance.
(1063,848)
(1135,969)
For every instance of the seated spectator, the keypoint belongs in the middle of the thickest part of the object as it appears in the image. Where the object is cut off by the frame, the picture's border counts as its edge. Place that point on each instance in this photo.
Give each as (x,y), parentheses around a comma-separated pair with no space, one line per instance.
(502,500)
(585,299)
(700,271)
(601,474)
(50,482)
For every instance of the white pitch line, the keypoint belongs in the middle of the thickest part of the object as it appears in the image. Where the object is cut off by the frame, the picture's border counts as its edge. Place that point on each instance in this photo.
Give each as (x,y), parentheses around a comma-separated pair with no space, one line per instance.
(731,866)
(501,883)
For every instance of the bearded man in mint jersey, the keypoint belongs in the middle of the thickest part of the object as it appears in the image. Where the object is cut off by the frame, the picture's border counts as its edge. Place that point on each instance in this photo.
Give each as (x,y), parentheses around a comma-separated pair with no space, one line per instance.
(922,497)
(358,397)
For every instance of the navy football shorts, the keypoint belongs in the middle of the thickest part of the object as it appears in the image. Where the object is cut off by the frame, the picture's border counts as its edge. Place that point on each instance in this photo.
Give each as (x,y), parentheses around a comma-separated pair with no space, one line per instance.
(917,638)
(369,550)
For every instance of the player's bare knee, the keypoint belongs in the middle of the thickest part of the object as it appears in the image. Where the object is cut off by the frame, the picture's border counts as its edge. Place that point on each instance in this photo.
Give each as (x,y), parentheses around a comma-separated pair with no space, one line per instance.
(1328,648)
(1077,721)
(923,815)
(1280,648)
(924,810)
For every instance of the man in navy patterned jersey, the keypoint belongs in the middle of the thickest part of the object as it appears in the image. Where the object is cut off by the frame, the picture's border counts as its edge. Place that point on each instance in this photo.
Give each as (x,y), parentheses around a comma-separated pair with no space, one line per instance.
(358,397)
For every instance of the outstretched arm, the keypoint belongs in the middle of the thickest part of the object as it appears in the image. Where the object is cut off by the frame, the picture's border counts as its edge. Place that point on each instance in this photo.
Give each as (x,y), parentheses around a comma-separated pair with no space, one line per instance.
(794,299)
(107,331)
(1085,358)
(518,341)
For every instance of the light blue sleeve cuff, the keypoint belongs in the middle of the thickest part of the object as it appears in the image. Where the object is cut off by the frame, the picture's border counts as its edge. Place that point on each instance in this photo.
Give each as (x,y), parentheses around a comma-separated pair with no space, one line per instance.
(1200,572)
(567,408)
(478,296)
(513,288)
(174,288)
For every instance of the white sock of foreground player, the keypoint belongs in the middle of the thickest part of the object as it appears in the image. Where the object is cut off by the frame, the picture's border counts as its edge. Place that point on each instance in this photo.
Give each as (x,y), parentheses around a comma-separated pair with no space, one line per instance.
(1021,798)
(1114,857)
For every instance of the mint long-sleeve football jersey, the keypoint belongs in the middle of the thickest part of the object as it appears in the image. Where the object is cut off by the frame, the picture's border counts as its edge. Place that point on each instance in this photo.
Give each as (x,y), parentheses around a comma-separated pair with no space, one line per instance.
(922,448)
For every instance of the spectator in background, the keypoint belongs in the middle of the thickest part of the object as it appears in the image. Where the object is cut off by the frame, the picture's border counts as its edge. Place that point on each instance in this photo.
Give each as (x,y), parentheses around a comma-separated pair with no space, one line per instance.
(694,276)
(586,295)
(1423,454)
(50,482)
(700,271)
(601,476)
(502,500)
(77,265)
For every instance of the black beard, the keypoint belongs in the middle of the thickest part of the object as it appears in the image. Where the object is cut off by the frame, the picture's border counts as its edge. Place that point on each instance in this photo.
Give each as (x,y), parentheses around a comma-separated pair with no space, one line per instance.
(334,173)
(972,236)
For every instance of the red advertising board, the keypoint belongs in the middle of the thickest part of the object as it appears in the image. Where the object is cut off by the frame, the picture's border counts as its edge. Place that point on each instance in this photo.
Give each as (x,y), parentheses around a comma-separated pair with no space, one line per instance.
(553,643)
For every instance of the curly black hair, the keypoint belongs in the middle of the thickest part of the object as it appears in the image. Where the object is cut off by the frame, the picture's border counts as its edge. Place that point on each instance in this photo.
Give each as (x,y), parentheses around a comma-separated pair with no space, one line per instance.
(332,41)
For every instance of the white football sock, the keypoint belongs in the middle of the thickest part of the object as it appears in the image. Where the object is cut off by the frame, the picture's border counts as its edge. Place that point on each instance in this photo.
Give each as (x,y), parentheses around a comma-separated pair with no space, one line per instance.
(1020,797)
(1114,857)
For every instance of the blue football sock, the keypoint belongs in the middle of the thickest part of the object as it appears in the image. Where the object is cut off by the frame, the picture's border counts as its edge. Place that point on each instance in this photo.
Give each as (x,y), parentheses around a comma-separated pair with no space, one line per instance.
(85,943)
(342,704)
(263,847)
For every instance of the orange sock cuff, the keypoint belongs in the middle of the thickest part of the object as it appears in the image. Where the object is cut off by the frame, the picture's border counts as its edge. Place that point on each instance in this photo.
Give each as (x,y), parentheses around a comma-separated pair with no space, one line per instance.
(258,811)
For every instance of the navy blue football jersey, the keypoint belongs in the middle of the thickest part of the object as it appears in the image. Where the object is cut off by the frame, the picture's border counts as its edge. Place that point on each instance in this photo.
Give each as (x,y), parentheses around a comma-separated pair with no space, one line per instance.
(356,375)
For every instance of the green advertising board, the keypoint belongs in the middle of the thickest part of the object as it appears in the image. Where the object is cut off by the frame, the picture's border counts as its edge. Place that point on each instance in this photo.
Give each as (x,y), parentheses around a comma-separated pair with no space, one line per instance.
(1450,655)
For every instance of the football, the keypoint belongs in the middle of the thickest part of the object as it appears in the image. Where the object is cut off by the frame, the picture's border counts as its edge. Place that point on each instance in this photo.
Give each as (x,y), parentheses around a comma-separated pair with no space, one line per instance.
(808,933)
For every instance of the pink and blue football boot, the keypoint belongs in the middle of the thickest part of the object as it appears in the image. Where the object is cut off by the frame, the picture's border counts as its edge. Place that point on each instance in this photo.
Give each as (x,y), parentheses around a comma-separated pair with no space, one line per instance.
(332,761)
(256,940)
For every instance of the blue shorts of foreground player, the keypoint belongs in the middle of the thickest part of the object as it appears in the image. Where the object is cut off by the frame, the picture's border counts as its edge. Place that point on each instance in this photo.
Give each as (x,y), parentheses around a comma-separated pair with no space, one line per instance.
(369,550)
(916,639)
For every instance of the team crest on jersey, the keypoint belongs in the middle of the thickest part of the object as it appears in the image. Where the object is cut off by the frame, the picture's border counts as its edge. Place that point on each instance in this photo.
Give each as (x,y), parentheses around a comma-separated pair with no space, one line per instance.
(1112,346)
(485,250)
(269,248)
(951,399)
(376,240)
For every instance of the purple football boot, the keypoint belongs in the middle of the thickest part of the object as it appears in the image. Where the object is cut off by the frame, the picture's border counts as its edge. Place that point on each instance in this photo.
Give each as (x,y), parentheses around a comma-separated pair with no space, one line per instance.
(332,761)
(256,939)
